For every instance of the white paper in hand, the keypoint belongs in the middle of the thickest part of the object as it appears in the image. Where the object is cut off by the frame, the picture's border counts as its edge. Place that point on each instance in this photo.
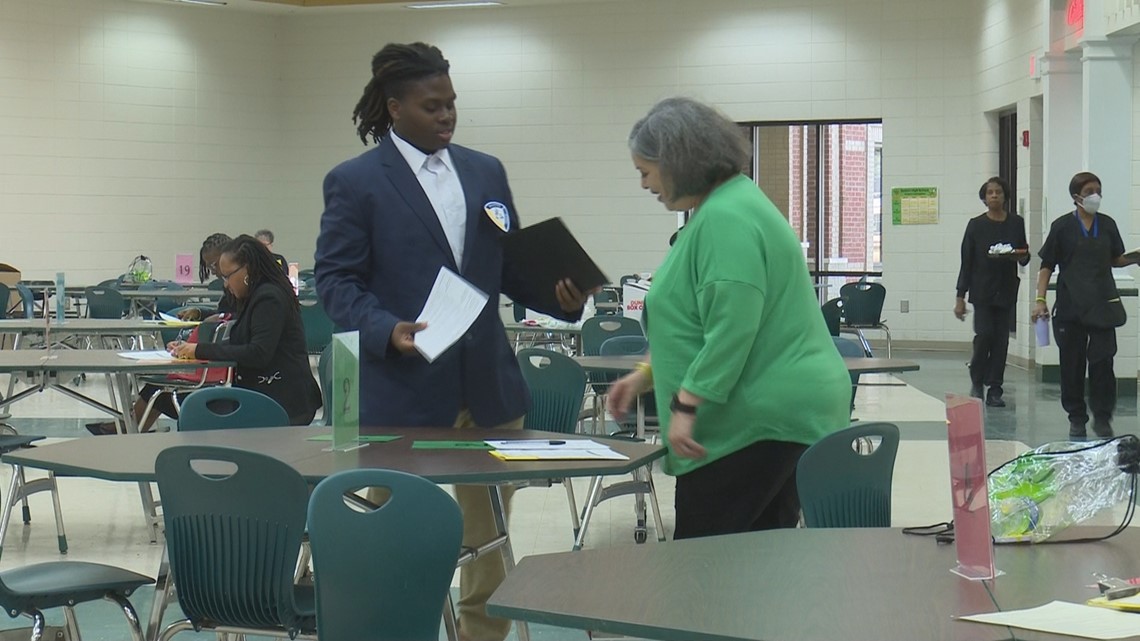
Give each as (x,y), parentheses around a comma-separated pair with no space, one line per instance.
(451,307)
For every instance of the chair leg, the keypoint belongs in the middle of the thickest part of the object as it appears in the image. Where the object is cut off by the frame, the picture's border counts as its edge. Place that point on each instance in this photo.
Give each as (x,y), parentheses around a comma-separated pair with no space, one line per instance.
(9,503)
(129,612)
(657,523)
(887,331)
(25,511)
(449,623)
(71,623)
(591,503)
(175,628)
(302,569)
(573,506)
(37,624)
(60,534)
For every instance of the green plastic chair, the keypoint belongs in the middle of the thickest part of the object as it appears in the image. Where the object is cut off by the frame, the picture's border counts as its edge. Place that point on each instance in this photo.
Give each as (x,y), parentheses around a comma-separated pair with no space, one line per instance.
(557,388)
(318,325)
(840,486)
(833,315)
(27,300)
(863,309)
(31,589)
(233,539)
(220,408)
(595,332)
(105,302)
(383,574)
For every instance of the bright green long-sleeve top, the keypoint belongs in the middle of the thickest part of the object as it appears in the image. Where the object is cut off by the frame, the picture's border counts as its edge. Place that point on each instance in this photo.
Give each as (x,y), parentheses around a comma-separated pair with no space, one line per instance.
(733,318)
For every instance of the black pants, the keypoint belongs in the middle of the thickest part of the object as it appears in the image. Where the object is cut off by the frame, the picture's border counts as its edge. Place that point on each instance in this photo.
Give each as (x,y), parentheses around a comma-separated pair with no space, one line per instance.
(991,345)
(748,490)
(1084,347)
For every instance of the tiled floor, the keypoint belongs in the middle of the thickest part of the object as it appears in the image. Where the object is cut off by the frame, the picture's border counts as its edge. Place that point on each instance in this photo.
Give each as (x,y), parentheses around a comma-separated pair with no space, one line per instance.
(104,520)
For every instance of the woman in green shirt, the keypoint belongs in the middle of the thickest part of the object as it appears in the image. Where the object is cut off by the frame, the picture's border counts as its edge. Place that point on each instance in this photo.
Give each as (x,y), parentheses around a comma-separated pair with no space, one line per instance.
(745,371)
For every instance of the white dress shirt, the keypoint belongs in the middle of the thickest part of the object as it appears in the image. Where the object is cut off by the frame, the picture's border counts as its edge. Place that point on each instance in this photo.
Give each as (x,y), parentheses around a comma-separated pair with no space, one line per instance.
(436,174)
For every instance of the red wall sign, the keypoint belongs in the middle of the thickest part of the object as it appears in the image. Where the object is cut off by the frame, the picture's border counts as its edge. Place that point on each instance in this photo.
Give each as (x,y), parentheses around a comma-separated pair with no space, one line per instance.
(1076,13)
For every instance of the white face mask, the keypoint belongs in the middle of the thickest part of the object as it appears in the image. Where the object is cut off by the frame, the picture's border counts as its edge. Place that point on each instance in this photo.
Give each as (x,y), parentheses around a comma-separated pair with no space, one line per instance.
(1091,203)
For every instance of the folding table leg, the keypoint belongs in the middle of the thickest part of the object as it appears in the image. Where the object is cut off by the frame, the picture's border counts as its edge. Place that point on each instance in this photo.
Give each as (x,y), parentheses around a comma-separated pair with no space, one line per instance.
(498,508)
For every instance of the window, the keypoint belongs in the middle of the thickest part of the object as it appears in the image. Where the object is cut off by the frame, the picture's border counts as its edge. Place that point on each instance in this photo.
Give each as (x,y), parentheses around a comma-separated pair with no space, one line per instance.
(826,177)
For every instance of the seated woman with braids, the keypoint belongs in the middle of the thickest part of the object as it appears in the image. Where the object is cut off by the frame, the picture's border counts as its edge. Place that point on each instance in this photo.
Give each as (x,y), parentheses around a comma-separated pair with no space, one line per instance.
(207,266)
(267,339)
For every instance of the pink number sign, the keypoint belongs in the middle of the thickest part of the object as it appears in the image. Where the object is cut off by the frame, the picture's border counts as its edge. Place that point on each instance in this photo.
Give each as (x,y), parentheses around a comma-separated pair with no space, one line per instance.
(184,268)
(970,497)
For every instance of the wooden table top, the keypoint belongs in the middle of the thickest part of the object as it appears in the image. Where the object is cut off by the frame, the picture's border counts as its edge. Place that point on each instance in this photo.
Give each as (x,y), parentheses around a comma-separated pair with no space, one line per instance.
(130,457)
(854,365)
(784,585)
(92,360)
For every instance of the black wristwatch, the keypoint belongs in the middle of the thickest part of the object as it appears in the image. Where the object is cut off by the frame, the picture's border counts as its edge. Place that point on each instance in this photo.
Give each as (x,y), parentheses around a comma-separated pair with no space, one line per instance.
(676,405)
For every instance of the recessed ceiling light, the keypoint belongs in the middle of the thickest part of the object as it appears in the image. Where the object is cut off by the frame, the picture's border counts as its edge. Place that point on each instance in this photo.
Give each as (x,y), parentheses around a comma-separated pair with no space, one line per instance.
(455,5)
(212,3)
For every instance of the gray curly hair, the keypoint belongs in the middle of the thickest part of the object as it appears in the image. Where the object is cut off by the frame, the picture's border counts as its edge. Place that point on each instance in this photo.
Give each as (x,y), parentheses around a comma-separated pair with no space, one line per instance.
(695,146)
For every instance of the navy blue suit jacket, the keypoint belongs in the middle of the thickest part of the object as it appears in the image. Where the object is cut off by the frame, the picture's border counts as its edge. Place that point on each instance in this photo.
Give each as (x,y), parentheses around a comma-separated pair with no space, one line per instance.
(378,253)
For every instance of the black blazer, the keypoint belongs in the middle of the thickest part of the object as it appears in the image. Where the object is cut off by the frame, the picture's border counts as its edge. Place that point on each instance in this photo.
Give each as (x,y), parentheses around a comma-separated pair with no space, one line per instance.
(267,341)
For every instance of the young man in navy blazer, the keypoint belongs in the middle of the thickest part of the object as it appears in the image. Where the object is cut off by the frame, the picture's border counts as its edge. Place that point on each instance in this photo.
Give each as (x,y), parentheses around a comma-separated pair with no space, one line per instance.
(393,217)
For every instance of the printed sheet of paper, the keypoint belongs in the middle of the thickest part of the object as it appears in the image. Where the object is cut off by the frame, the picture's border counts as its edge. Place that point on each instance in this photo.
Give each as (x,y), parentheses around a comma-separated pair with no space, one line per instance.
(451,307)
(1070,619)
(152,355)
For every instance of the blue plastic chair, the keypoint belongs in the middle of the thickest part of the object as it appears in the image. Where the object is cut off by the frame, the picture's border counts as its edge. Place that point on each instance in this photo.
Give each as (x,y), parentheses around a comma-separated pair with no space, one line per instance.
(219,408)
(841,486)
(233,537)
(27,300)
(383,574)
(863,309)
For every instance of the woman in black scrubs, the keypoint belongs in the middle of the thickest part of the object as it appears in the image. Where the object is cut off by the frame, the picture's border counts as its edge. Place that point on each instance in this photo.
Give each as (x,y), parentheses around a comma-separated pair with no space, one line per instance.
(1084,245)
(991,281)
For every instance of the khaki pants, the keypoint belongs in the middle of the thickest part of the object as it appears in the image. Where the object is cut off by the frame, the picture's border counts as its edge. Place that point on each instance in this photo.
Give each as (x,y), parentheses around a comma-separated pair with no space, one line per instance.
(479,579)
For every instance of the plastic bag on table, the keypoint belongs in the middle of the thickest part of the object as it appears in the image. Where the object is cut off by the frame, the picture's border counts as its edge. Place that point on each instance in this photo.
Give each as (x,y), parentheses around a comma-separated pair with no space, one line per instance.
(139,271)
(1040,493)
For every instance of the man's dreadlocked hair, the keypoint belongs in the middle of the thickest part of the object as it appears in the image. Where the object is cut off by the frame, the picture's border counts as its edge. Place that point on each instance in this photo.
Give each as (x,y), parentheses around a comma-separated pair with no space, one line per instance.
(260,266)
(393,68)
(213,241)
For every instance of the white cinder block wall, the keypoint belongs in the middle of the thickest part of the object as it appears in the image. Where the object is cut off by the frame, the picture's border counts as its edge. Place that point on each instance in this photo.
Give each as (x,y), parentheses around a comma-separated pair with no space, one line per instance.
(129,127)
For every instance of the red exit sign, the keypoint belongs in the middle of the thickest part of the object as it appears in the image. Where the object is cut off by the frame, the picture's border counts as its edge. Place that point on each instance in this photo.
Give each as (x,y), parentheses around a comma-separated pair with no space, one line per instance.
(1076,12)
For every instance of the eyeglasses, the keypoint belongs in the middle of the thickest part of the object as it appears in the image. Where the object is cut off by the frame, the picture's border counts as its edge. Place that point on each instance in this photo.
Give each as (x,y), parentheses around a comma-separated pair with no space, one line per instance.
(227,276)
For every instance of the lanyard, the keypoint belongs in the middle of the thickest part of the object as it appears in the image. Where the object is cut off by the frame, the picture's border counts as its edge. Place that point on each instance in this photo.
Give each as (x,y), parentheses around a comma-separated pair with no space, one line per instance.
(1081,226)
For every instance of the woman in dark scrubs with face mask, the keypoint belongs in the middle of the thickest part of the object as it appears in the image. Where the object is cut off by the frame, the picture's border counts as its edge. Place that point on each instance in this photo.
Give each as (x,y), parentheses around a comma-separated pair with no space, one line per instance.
(1084,245)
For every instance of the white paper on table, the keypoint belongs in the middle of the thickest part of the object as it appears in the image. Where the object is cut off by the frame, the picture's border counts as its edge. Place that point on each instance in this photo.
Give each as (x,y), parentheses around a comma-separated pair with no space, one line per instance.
(151,355)
(594,454)
(1071,619)
(546,444)
(451,307)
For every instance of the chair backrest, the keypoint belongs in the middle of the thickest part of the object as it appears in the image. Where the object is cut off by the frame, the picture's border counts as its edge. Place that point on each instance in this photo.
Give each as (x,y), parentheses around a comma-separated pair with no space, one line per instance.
(863,303)
(105,302)
(624,346)
(219,408)
(233,537)
(382,574)
(599,329)
(833,315)
(5,297)
(216,285)
(318,325)
(557,386)
(324,376)
(27,300)
(519,312)
(163,304)
(841,487)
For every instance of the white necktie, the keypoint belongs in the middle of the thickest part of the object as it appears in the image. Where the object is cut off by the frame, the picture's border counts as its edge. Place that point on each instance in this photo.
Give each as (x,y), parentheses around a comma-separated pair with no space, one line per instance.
(446,196)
